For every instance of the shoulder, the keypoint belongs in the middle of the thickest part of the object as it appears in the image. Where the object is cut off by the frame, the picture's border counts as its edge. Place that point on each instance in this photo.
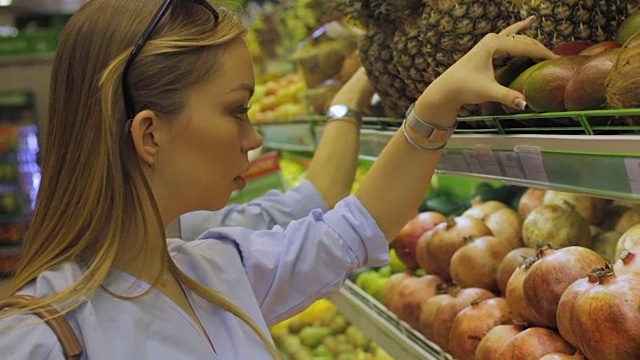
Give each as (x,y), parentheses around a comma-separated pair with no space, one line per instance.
(26,336)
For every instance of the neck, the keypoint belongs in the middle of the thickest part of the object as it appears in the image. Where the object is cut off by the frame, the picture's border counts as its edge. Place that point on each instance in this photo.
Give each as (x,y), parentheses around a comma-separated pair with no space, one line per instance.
(143,253)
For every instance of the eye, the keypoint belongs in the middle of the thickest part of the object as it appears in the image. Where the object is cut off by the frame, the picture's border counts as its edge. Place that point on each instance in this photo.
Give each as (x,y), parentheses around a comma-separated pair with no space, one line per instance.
(242,111)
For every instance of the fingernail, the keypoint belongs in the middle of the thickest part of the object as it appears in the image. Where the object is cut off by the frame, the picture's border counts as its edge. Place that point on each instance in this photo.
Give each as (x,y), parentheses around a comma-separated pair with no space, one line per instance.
(520,104)
(532,17)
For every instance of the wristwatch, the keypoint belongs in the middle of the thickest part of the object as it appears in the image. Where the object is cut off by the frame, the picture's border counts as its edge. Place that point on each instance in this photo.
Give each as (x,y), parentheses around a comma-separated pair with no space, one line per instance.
(340,111)
(431,133)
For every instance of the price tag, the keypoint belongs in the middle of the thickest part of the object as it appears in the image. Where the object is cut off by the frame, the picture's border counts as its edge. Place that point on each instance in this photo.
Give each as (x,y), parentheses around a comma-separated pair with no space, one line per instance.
(633,171)
(453,162)
(511,164)
(472,160)
(487,160)
(532,163)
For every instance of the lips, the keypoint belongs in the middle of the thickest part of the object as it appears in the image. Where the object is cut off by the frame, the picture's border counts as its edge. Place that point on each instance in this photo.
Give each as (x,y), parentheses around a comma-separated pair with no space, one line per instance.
(240,182)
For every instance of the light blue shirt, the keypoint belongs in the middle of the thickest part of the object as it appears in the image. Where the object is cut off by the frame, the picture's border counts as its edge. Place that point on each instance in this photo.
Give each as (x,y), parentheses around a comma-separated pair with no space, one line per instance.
(269,274)
(263,213)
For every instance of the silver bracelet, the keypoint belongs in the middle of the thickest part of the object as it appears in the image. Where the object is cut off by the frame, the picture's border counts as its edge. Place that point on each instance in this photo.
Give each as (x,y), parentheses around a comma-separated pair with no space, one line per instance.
(415,144)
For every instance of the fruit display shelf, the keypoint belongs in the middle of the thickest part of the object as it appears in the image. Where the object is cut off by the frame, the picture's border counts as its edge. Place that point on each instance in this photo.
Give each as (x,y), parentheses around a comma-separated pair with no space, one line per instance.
(593,152)
(398,339)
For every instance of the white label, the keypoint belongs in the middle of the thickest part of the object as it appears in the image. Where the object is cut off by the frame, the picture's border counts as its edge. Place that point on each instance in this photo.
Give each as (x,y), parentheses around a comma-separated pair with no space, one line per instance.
(532,163)
(487,160)
(633,171)
(472,160)
(453,162)
(511,164)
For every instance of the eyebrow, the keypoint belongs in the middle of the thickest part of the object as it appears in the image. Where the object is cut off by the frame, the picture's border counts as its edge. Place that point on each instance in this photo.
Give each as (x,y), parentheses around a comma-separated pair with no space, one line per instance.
(244,87)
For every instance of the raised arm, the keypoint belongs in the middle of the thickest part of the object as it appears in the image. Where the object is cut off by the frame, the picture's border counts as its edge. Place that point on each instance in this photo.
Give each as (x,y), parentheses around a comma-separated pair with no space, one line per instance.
(332,170)
(394,186)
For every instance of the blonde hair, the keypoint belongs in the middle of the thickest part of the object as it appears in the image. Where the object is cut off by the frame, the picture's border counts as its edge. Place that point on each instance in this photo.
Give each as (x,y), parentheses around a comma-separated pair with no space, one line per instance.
(93,187)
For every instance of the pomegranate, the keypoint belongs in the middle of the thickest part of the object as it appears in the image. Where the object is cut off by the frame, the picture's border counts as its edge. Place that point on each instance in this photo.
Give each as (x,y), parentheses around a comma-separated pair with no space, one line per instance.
(592,209)
(457,300)
(606,317)
(530,200)
(481,210)
(473,322)
(534,343)
(621,217)
(511,262)
(413,292)
(476,263)
(514,294)
(506,223)
(560,356)
(628,219)
(557,226)
(407,240)
(628,262)
(437,246)
(495,339)
(564,315)
(428,314)
(605,244)
(550,276)
(630,239)
(391,288)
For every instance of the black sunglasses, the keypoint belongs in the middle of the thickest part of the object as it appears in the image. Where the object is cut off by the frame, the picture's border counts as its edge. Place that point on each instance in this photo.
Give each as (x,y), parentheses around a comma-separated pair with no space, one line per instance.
(128,99)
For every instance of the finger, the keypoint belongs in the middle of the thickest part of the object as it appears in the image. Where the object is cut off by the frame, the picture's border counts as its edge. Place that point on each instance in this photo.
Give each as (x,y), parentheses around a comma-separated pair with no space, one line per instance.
(517,27)
(508,97)
(522,46)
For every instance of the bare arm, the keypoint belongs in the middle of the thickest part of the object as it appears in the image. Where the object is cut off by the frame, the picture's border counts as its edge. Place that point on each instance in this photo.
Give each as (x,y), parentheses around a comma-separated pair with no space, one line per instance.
(332,170)
(394,186)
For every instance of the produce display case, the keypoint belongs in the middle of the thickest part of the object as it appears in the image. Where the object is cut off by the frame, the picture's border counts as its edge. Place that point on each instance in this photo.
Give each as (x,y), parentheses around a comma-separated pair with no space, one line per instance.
(595,153)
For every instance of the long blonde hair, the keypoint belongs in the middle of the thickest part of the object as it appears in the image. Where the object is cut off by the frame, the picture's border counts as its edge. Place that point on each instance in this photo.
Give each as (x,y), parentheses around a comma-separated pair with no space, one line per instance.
(93,187)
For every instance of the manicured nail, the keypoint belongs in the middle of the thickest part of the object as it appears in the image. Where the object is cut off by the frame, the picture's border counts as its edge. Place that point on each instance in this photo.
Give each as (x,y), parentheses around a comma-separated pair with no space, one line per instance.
(520,104)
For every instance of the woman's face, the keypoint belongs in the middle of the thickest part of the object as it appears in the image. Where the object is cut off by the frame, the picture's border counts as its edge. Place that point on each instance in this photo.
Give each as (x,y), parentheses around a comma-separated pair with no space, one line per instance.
(205,151)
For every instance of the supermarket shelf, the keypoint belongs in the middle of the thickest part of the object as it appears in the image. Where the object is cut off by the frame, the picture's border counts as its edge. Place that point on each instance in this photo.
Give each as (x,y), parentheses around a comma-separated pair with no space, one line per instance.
(586,156)
(395,336)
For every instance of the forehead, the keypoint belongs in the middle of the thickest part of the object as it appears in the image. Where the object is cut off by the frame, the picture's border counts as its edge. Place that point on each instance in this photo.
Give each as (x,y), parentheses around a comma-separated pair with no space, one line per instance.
(236,69)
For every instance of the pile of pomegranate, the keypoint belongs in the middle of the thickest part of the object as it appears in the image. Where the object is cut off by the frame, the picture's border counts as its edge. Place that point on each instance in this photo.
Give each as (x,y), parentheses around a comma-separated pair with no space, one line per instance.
(556,278)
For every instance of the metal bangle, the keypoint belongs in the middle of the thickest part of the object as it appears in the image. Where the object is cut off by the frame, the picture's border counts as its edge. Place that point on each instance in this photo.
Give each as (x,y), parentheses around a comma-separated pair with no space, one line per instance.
(416,145)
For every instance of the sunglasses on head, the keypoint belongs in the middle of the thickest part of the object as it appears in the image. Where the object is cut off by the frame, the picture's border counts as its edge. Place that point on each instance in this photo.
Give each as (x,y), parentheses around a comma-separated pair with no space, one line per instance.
(128,98)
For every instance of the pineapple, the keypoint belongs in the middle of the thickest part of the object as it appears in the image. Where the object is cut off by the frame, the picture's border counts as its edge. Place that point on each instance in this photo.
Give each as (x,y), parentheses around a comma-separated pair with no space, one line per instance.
(626,7)
(565,20)
(446,30)
(376,56)
(453,27)
(381,19)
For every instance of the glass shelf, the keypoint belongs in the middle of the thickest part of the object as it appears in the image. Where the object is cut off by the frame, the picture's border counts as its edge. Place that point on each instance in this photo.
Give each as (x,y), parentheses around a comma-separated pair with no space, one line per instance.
(591,152)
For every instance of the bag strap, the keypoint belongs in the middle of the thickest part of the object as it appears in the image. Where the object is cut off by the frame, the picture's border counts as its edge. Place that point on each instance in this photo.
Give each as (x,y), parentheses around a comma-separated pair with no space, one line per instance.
(56,321)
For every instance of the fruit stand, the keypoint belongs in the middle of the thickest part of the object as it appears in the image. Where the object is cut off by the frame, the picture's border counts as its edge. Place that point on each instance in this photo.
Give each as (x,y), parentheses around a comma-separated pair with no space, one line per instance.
(519,197)
(573,158)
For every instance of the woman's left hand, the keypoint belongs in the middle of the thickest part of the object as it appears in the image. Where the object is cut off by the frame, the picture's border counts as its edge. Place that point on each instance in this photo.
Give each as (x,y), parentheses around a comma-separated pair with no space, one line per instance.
(471,80)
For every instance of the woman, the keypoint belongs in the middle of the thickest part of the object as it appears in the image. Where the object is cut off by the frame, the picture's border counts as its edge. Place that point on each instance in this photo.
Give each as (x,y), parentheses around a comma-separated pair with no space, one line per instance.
(138,136)
(329,179)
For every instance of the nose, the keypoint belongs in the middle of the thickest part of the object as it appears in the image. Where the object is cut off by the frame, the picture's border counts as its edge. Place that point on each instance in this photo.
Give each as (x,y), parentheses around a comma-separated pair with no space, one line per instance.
(252,139)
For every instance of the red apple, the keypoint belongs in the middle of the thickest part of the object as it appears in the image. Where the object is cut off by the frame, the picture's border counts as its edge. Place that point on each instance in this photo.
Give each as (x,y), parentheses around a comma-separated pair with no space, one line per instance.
(599,47)
(407,240)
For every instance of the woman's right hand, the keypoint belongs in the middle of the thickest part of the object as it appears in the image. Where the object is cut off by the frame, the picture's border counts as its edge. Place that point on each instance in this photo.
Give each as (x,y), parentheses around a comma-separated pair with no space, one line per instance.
(471,80)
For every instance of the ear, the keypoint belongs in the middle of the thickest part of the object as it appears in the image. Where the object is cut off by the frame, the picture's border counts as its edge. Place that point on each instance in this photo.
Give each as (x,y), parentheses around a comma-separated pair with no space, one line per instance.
(143,126)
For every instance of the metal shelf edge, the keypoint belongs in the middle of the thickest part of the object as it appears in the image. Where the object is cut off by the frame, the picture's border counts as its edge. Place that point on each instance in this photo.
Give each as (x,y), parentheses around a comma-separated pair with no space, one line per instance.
(397,338)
